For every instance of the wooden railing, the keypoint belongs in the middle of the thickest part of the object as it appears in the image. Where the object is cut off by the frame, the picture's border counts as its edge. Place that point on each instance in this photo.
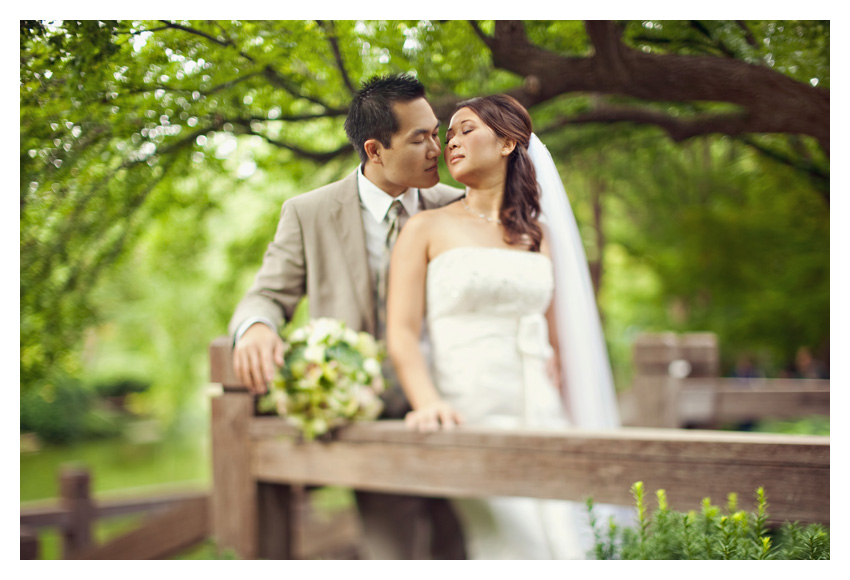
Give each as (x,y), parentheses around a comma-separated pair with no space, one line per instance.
(176,522)
(712,402)
(694,395)
(258,462)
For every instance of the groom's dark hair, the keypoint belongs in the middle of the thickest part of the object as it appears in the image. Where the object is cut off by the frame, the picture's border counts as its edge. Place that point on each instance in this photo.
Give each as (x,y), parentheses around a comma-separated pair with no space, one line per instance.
(371,115)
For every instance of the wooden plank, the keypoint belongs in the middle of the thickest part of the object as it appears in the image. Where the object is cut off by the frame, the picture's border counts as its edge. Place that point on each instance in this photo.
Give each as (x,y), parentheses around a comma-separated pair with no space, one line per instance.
(744,405)
(163,535)
(659,401)
(51,514)
(690,465)
(117,507)
(45,516)
(234,495)
(221,364)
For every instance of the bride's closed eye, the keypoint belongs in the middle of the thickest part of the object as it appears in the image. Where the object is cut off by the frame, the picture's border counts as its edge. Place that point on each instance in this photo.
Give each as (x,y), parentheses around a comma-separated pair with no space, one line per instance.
(462,133)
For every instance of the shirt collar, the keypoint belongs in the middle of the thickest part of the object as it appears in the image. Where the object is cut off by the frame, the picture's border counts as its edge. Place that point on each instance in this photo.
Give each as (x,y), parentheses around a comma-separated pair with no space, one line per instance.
(378,202)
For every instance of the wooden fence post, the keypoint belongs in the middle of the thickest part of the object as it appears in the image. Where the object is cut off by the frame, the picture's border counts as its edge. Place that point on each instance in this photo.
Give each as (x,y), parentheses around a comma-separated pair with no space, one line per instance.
(257,519)
(657,382)
(281,517)
(233,502)
(74,484)
(29,544)
(654,394)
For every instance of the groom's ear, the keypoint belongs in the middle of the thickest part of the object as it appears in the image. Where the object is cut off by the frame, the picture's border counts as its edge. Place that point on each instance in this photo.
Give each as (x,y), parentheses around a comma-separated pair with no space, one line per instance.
(508,146)
(373,150)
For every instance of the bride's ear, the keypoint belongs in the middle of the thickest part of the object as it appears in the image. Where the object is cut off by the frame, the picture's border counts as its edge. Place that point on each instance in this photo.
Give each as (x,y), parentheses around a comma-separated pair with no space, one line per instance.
(508,146)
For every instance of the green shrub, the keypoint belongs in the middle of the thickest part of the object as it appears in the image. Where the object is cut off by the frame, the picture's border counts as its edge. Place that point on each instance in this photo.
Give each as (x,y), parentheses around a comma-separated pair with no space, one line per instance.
(56,410)
(121,387)
(812,425)
(62,410)
(708,534)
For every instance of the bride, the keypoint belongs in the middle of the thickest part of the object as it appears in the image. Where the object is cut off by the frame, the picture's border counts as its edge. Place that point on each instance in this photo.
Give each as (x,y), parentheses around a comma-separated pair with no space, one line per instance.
(501,279)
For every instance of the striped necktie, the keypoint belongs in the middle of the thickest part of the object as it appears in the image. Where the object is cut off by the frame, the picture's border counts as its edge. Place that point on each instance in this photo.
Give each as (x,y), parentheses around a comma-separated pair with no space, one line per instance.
(394,218)
(395,403)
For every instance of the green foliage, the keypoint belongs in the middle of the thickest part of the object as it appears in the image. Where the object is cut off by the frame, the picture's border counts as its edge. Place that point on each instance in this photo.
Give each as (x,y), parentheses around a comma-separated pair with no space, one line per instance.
(56,410)
(709,534)
(813,425)
(208,550)
(63,411)
(706,236)
(121,387)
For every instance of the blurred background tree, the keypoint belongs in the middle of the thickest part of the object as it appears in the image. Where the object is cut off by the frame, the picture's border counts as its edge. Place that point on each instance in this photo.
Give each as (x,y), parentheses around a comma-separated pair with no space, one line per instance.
(155,156)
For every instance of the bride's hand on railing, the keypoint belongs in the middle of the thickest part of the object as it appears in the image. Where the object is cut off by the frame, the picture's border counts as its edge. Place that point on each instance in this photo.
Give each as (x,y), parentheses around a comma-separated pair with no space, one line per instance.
(429,417)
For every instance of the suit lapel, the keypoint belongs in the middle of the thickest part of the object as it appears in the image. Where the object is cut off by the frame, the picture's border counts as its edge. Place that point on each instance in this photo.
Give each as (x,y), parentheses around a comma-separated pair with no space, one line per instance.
(348,222)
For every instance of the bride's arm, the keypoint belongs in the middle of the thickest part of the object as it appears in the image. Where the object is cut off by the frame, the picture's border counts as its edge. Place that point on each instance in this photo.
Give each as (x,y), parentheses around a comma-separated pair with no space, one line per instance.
(405,311)
(554,364)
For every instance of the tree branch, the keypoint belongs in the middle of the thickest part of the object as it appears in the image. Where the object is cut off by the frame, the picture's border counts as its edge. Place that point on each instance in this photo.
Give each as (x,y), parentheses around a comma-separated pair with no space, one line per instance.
(481,34)
(332,39)
(819,178)
(225,43)
(771,102)
(317,156)
(279,80)
(609,50)
(677,128)
(747,34)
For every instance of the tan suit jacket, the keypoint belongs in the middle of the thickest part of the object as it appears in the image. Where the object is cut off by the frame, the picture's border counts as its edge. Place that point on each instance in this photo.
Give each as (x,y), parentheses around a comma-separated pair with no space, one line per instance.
(319,250)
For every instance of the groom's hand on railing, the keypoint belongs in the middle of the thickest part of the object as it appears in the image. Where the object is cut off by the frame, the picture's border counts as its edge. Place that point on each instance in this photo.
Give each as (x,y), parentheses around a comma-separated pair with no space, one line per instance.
(257,354)
(429,417)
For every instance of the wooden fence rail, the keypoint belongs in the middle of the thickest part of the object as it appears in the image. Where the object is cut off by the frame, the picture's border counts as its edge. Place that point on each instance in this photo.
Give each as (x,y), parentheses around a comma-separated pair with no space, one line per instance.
(677,384)
(258,461)
(178,521)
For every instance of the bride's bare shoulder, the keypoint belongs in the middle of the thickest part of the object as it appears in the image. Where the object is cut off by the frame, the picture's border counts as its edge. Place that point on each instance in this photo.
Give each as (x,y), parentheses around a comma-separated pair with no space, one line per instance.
(433,218)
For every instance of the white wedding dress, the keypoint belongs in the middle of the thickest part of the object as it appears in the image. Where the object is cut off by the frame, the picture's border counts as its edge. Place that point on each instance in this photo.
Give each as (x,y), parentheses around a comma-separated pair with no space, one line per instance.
(485,311)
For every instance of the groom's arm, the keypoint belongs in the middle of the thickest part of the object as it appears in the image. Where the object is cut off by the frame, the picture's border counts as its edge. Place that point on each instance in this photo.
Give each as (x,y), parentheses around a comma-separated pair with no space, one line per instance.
(278,286)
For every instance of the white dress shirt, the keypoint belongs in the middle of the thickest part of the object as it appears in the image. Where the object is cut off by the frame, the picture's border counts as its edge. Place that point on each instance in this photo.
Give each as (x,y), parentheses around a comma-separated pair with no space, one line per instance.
(374,205)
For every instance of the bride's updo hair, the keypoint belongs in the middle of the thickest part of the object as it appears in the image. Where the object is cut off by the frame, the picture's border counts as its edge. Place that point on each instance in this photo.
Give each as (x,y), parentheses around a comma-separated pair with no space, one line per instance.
(521,204)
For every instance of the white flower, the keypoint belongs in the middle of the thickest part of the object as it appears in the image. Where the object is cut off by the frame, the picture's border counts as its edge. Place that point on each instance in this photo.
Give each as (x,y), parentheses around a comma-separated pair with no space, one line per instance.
(372,366)
(314,353)
(367,345)
(316,395)
(325,330)
(350,337)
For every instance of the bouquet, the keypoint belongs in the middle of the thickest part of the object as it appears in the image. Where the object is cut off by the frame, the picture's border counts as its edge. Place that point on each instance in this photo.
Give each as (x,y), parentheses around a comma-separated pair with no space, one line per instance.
(331,375)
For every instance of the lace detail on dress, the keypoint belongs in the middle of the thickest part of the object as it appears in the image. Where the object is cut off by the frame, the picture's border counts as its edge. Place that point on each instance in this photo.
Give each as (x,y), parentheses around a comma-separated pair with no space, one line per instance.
(491,281)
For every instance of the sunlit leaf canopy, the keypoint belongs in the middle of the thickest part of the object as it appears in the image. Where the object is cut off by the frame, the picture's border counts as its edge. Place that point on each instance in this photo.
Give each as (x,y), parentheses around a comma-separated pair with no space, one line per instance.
(136,133)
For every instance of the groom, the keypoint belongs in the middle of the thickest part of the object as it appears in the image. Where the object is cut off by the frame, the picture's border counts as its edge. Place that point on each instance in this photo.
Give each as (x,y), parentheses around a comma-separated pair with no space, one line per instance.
(332,245)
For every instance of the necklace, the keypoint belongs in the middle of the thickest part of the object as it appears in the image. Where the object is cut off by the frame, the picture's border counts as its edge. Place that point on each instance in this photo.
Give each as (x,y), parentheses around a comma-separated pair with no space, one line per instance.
(481,215)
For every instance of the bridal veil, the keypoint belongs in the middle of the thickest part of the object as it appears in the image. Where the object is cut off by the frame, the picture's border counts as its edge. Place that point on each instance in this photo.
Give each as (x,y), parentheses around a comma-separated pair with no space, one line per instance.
(590,397)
